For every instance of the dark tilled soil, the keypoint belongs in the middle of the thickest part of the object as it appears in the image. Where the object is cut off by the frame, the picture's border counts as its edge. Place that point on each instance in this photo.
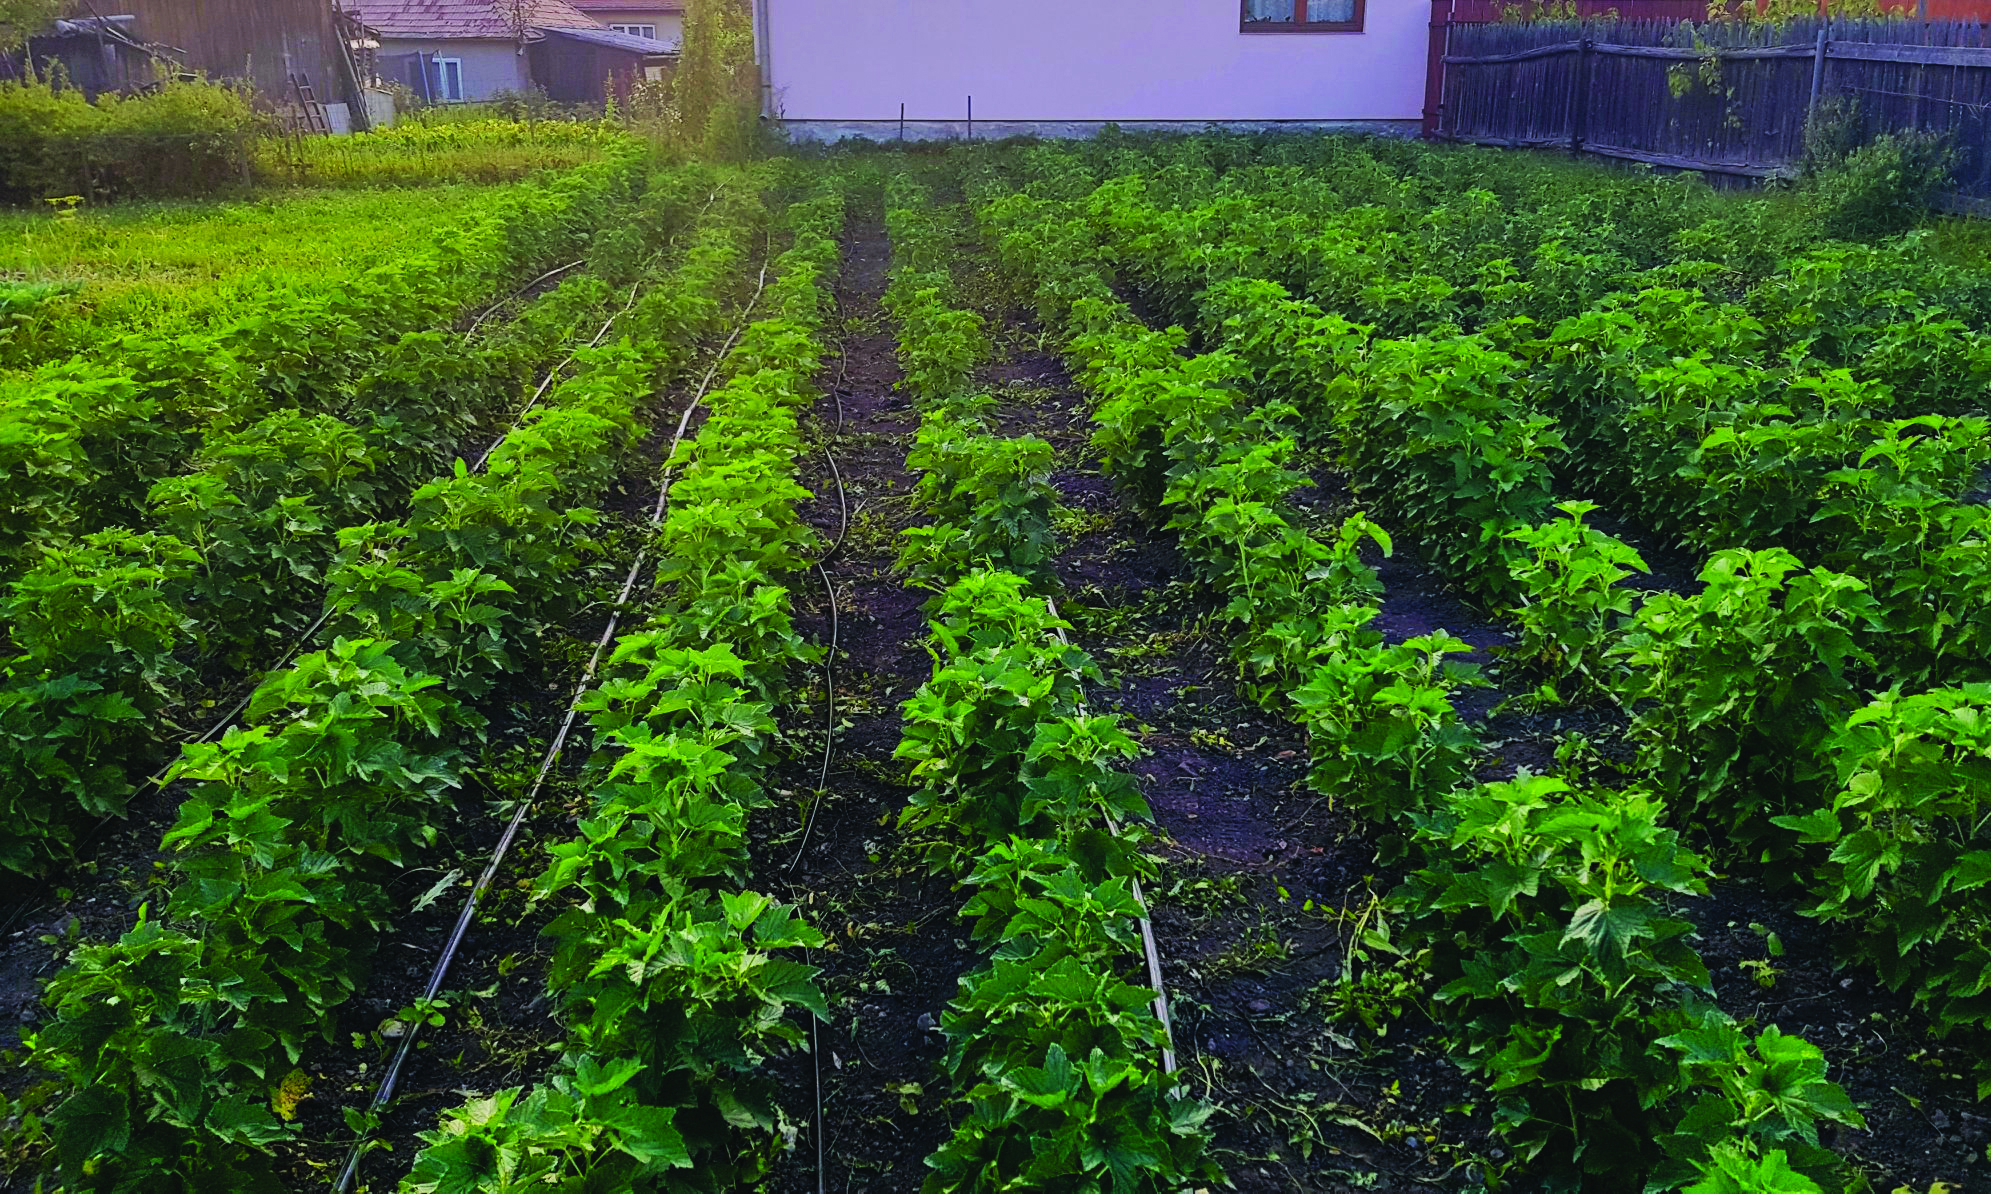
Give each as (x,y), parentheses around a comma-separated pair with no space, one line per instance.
(1263,886)
(498,1028)
(1918,1096)
(894,955)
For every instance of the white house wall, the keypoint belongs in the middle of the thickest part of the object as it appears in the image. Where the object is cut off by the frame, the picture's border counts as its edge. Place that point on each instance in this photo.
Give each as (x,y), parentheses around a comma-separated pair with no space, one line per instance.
(669,23)
(489,67)
(848,64)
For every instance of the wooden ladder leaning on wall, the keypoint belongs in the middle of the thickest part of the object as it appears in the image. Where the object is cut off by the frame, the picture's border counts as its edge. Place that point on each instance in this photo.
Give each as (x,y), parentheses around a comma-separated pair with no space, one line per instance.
(312,118)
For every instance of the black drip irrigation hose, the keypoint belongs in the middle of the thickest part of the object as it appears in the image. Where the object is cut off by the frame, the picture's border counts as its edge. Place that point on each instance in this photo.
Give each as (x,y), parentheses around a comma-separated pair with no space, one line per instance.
(547,384)
(384,1092)
(829,590)
(829,733)
(829,670)
(493,308)
(90,836)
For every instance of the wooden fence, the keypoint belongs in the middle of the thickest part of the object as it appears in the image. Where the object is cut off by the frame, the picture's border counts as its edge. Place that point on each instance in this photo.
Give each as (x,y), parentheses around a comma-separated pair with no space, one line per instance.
(1727,98)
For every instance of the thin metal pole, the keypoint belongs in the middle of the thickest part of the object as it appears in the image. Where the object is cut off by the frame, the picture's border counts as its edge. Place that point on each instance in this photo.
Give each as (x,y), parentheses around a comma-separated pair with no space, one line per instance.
(971,118)
(902,120)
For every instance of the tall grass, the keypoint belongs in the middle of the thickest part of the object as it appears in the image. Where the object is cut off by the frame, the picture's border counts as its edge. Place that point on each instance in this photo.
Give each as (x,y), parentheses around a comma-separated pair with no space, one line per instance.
(70,280)
(428,153)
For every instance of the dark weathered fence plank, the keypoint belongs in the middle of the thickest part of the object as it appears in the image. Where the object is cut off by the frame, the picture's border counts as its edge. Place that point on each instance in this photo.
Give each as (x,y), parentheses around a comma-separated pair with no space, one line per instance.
(1931,55)
(1726,98)
(1689,53)
(1561,47)
(1675,161)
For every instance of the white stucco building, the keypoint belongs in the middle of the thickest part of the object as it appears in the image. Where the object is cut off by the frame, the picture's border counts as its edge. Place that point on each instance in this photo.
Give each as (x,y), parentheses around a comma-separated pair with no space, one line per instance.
(837,68)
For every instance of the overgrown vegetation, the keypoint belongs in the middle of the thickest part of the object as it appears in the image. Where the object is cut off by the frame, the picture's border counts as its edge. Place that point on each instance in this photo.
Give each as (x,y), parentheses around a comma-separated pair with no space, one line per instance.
(1478,349)
(712,104)
(182,138)
(20,19)
(427,153)
(172,268)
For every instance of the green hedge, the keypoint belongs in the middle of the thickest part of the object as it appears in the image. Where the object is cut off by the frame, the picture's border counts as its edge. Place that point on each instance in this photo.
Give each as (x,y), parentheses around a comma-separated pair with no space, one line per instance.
(184,138)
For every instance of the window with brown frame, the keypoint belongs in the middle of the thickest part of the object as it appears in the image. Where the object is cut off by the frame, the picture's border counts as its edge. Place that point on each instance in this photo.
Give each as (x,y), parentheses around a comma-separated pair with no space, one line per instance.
(1302,16)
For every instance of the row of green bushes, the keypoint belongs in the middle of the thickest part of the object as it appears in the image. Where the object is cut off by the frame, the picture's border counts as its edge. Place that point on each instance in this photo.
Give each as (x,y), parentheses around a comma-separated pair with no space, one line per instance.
(196,137)
(182,138)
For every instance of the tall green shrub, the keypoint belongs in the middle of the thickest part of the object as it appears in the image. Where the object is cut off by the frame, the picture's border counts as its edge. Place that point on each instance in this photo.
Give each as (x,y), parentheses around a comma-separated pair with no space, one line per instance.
(19,19)
(183,138)
(1884,187)
(714,105)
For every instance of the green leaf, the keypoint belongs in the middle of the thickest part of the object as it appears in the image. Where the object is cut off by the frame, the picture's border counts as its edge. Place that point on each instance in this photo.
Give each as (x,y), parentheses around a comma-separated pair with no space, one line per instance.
(1715,1041)
(94,1122)
(1611,931)
(1730,1169)
(1818,825)
(240,1121)
(1049,1086)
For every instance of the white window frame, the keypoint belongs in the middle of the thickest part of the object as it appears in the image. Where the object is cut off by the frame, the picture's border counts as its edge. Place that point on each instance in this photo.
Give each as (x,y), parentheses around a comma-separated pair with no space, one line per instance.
(442,80)
(649,31)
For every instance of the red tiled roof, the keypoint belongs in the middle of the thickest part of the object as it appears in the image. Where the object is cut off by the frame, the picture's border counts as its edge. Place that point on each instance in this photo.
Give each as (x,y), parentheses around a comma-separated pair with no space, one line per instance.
(435,19)
(615,6)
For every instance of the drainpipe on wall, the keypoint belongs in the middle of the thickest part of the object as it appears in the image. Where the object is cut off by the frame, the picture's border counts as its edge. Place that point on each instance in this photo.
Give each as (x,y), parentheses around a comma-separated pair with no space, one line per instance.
(764,58)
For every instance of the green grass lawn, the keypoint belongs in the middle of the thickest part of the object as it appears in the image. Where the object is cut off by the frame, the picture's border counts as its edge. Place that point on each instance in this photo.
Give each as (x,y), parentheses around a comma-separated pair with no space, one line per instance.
(170,266)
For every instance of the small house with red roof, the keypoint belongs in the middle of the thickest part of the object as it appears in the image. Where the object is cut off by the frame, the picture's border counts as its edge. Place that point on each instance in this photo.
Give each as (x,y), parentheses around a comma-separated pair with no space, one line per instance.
(465,51)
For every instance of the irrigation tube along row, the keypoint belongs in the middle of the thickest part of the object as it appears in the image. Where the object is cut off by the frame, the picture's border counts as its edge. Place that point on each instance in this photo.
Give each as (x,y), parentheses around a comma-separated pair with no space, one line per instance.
(1148,944)
(219,724)
(390,1078)
(942,358)
(829,728)
(549,275)
(539,394)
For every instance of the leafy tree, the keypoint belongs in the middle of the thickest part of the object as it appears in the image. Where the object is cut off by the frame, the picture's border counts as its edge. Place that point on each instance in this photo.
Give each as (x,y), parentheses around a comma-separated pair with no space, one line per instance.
(715,94)
(20,19)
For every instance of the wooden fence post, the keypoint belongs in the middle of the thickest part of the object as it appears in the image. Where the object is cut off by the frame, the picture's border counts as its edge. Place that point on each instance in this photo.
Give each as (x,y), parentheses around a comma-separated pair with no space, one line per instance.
(1579,98)
(1434,66)
(1817,78)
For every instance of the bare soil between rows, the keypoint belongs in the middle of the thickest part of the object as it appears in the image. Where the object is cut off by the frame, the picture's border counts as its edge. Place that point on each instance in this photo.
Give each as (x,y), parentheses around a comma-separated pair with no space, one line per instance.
(1261,880)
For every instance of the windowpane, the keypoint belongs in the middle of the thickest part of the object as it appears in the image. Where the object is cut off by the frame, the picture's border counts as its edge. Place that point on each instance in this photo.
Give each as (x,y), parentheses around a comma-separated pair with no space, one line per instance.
(1268,12)
(1331,10)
